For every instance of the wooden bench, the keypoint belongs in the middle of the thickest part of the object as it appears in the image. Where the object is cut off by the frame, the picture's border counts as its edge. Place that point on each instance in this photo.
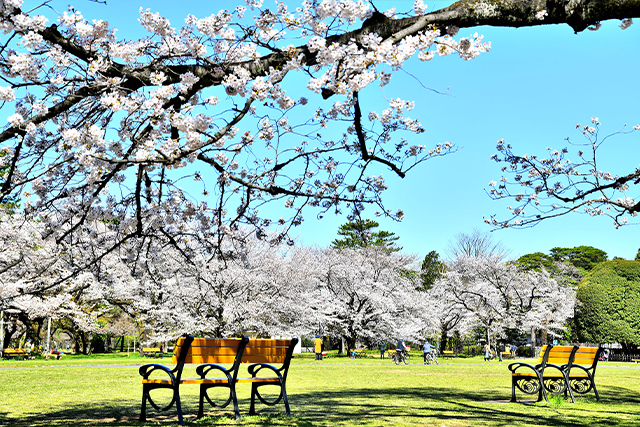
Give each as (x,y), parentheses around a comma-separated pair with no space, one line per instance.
(16,352)
(559,369)
(209,354)
(359,353)
(152,351)
(448,353)
(54,354)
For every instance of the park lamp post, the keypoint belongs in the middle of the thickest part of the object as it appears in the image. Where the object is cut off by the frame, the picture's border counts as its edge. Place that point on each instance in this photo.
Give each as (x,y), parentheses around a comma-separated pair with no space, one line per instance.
(48,336)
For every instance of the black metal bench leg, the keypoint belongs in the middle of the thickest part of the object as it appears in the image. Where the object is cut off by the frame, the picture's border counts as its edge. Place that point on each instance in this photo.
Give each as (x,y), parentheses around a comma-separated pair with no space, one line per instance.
(595,390)
(513,390)
(252,407)
(201,401)
(143,410)
(234,397)
(573,400)
(176,393)
(285,398)
(542,392)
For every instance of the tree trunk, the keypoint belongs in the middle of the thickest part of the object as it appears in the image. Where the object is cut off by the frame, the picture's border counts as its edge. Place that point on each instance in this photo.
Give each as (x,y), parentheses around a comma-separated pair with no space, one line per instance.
(83,338)
(351,344)
(533,342)
(443,341)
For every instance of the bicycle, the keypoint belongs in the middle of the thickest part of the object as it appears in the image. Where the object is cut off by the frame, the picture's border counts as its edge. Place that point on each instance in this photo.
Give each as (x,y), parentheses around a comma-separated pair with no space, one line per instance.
(430,358)
(401,357)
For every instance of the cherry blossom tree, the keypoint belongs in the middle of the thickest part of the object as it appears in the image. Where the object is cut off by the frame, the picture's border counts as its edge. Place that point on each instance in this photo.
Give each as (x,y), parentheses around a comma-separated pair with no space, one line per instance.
(243,288)
(38,281)
(102,129)
(500,296)
(566,180)
(364,295)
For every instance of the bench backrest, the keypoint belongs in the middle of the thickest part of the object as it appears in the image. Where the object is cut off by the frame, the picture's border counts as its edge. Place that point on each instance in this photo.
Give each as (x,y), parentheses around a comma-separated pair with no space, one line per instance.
(209,350)
(561,354)
(587,357)
(234,351)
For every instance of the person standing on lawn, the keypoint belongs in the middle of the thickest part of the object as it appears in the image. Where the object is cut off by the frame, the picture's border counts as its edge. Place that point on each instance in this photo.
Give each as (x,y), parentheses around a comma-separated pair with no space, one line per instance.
(318,347)
(487,352)
(382,346)
(500,351)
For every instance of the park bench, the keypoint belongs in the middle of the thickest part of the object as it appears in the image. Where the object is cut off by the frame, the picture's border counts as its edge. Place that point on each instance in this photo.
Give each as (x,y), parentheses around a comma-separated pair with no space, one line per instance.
(210,354)
(507,355)
(448,353)
(559,369)
(54,354)
(16,352)
(152,351)
(359,353)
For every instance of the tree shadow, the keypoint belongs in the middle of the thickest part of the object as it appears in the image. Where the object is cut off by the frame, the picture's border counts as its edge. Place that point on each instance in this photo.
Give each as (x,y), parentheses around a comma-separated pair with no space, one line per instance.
(363,406)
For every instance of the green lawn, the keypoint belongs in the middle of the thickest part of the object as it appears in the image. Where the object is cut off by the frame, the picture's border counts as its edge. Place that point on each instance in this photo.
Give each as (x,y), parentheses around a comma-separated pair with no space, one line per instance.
(106,390)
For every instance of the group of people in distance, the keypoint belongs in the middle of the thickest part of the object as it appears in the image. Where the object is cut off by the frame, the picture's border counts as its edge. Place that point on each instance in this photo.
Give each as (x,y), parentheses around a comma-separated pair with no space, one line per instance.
(400,347)
(427,348)
(488,353)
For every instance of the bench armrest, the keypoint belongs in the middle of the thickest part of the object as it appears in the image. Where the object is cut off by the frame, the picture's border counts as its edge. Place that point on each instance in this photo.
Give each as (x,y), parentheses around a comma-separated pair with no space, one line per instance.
(204,369)
(257,367)
(146,370)
(516,365)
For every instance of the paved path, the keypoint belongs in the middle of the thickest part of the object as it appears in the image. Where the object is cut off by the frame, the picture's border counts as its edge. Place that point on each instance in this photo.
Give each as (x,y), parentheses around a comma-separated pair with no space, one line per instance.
(320,364)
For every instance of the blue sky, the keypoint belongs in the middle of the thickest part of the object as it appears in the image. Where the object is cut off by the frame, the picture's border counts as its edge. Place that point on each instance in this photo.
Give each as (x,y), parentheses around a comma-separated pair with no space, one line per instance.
(531,89)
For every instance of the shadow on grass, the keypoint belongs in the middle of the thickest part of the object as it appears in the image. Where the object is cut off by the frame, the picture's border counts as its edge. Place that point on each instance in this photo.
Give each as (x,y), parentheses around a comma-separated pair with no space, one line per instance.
(367,406)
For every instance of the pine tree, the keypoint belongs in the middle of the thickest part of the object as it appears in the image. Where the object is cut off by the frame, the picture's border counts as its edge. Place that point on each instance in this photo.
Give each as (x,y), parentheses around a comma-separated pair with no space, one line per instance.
(362,234)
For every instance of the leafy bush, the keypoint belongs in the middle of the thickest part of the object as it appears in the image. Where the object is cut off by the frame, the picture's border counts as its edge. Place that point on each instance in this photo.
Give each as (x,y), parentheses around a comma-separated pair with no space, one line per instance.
(609,299)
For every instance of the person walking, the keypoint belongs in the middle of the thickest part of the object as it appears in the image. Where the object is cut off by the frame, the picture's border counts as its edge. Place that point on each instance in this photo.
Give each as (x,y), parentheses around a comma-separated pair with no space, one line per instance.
(487,352)
(318,347)
(500,351)
(382,346)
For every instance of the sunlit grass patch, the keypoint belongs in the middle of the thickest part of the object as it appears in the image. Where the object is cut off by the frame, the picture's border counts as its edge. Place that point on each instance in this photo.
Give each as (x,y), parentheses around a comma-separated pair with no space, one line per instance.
(334,392)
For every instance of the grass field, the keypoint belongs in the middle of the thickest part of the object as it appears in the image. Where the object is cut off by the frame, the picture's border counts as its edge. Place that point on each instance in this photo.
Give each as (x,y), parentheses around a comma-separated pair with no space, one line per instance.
(106,390)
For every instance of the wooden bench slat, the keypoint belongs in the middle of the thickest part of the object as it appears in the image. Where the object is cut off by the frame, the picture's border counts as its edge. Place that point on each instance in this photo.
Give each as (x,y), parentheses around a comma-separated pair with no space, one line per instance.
(263,359)
(213,342)
(199,360)
(229,351)
(269,343)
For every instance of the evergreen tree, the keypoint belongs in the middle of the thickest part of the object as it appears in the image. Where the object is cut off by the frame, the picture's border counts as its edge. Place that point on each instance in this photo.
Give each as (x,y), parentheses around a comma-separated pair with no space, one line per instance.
(585,257)
(431,270)
(361,234)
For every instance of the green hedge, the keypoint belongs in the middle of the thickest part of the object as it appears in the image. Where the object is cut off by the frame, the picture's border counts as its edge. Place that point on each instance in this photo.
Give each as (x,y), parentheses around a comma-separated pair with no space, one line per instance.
(609,309)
